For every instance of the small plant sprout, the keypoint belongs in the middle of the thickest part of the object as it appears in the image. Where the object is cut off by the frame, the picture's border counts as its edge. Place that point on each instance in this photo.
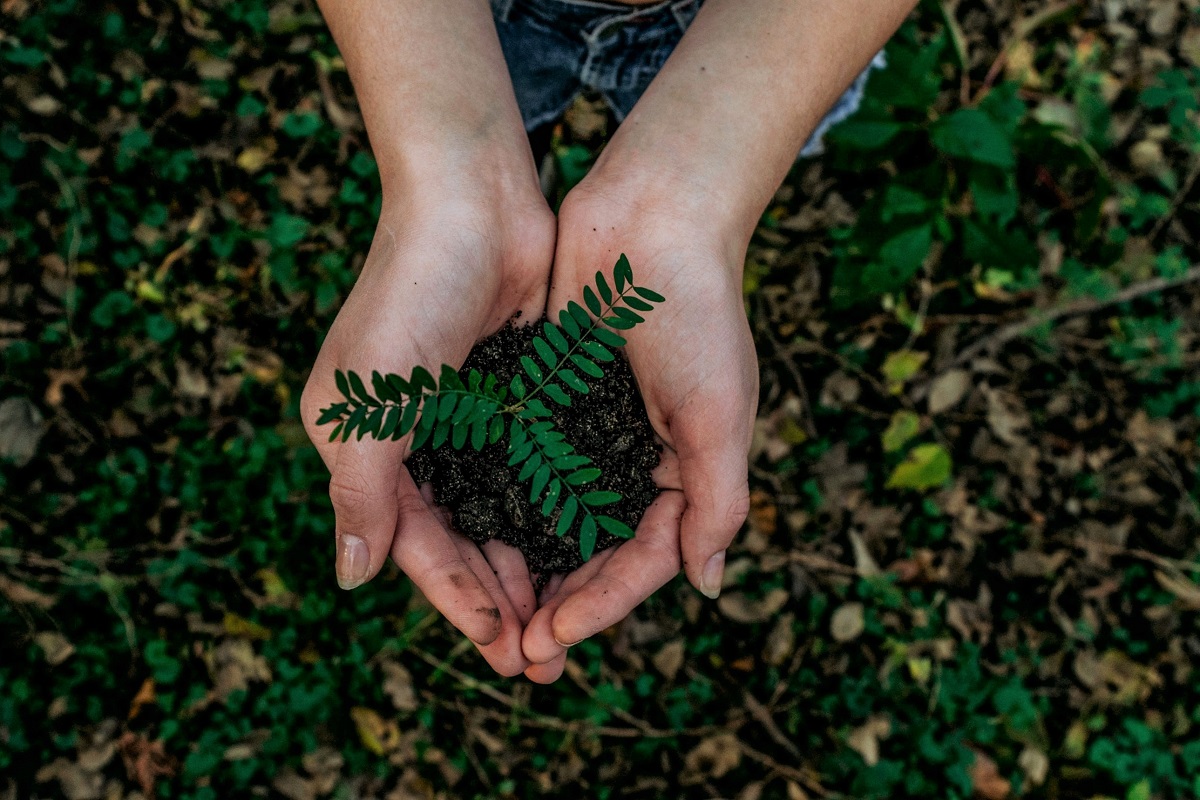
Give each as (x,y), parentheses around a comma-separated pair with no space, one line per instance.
(479,411)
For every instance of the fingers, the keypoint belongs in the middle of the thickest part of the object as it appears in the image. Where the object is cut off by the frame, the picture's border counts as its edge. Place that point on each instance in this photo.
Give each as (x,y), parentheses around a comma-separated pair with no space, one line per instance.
(504,652)
(363,488)
(713,471)
(425,551)
(510,570)
(595,597)
(549,672)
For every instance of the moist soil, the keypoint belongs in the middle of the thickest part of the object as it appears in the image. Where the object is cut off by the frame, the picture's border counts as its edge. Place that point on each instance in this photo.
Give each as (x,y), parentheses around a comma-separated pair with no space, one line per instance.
(486,500)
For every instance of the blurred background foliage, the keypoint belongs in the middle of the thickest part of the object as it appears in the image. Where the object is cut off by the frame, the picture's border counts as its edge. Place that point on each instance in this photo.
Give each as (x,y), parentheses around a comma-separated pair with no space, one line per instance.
(970,569)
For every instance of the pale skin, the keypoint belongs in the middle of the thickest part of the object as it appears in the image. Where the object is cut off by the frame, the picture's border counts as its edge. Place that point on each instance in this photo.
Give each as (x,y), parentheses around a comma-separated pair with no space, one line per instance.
(465,240)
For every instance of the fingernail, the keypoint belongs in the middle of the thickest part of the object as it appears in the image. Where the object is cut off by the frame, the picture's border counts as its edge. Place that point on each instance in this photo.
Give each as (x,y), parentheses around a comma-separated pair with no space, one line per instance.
(710,580)
(566,644)
(353,561)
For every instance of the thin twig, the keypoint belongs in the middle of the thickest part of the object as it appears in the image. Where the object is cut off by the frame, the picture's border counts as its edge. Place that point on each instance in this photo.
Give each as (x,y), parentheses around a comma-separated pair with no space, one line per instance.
(762,715)
(1017,329)
(804,777)
(1176,201)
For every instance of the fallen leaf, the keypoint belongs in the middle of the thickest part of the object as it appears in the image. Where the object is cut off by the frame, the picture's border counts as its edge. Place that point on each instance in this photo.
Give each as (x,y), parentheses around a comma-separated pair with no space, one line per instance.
(398,685)
(847,622)
(864,739)
(1035,764)
(145,696)
(669,659)
(289,784)
(1184,588)
(76,783)
(903,426)
(19,593)
(145,761)
(739,607)
(20,430)
(239,626)
(864,563)
(378,735)
(60,379)
(947,390)
(55,647)
(928,466)
(901,366)
(986,779)
(714,757)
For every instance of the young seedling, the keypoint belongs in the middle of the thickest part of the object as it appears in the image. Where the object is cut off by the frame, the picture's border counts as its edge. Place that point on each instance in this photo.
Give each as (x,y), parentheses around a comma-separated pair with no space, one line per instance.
(479,411)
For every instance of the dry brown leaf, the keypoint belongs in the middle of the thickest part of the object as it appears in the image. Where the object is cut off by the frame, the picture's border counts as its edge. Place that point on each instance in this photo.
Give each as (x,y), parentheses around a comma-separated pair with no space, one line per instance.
(714,757)
(1035,764)
(741,608)
(289,784)
(1184,588)
(21,429)
(75,782)
(19,593)
(847,622)
(669,659)
(864,563)
(781,641)
(948,389)
(864,739)
(986,778)
(55,646)
(398,685)
(145,761)
(60,379)
(795,791)
(144,697)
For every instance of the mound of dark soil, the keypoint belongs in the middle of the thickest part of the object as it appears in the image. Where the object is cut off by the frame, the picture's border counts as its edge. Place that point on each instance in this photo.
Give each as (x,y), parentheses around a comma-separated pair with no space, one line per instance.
(482,493)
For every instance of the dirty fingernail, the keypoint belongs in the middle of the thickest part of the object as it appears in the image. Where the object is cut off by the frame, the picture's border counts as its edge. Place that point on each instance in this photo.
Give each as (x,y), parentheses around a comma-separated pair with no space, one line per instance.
(710,580)
(353,561)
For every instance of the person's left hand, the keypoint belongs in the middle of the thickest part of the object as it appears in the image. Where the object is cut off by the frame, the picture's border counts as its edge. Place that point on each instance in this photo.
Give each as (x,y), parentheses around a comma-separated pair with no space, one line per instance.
(695,365)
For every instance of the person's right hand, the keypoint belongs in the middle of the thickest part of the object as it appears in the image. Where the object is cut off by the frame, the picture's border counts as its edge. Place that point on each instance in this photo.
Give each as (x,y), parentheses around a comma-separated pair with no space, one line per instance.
(441,274)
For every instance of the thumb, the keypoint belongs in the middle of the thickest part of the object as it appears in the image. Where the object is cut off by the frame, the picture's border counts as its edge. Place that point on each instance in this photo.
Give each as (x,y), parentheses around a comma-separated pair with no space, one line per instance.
(713,471)
(365,507)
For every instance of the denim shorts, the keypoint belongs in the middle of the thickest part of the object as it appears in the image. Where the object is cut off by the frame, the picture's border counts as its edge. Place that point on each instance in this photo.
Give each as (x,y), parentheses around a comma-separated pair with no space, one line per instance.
(557,48)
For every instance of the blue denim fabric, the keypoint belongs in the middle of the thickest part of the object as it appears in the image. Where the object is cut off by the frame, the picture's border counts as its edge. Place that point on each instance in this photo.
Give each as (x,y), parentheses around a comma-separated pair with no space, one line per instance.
(557,48)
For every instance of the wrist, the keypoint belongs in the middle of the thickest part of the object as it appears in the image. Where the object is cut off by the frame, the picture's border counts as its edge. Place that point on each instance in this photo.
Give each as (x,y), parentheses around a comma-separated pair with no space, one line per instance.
(661,178)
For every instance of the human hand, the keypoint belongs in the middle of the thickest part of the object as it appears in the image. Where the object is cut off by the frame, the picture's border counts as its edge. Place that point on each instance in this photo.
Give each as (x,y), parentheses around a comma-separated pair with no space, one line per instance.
(440,275)
(695,364)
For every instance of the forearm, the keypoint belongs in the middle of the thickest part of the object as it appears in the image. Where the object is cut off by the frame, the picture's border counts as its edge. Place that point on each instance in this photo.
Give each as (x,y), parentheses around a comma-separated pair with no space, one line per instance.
(737,99)
(433,86)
